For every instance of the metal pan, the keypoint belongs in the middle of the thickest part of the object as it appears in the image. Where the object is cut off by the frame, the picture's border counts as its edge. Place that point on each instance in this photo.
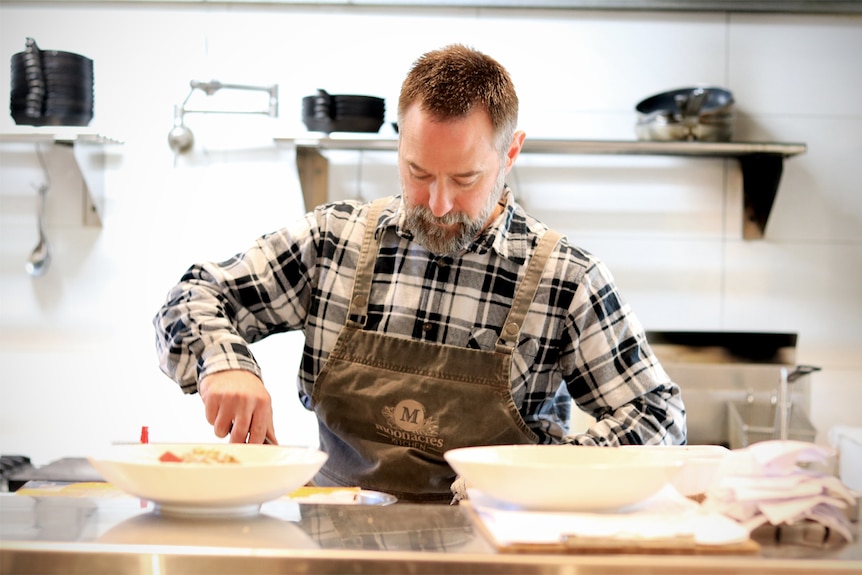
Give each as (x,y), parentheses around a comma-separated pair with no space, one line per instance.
(695,113)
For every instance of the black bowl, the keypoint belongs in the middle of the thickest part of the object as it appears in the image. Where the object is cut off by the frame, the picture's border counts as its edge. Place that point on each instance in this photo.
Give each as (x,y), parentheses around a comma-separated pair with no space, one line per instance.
(365,124)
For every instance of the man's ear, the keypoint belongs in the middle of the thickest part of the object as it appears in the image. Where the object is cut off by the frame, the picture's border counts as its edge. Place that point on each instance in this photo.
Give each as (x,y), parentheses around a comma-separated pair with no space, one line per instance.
(514,149)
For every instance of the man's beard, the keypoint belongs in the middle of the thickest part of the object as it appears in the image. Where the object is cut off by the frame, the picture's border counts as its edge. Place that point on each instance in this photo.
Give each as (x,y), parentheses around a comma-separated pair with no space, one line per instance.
(427,230)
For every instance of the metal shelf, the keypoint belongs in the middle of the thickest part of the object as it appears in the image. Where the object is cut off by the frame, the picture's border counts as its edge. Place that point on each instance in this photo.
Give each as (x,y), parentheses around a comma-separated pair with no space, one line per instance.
(80,152)
(761,162)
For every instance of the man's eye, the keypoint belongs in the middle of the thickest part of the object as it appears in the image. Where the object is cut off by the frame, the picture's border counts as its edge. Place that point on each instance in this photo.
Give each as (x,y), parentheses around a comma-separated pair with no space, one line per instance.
(465,183)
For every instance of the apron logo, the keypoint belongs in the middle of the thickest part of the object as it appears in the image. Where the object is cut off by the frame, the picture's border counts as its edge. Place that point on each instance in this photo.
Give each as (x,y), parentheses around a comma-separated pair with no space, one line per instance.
(407,425)
(409,415)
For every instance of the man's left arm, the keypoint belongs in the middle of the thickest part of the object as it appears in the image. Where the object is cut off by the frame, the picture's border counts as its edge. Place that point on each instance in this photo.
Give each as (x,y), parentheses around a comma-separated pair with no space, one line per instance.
(614,374)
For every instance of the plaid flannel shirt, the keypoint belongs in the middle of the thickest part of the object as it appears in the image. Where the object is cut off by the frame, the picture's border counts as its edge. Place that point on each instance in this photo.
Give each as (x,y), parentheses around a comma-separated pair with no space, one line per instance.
(579,341)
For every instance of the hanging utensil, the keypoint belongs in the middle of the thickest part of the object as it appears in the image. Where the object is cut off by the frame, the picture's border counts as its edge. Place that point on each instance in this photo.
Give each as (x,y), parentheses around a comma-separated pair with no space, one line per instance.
(181,139)
(40,257)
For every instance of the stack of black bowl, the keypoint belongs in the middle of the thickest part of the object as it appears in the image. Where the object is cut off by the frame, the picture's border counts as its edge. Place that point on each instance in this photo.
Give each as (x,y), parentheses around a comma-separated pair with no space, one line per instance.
(328,113)
(51,88)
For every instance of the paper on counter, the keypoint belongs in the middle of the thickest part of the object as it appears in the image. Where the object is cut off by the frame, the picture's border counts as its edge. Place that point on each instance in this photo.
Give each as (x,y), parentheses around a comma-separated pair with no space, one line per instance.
(665,516)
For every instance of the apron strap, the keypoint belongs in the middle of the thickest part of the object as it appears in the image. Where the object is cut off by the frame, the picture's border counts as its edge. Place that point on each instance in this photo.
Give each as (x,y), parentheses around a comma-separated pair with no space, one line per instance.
(358,312)
(526,292)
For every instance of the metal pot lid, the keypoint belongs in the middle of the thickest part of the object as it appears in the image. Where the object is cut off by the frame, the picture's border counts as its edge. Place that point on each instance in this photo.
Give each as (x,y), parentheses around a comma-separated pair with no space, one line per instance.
(697,100)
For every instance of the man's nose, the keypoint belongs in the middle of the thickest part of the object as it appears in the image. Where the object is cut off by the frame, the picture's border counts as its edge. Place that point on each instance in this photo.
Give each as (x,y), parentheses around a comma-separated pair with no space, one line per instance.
(440,199)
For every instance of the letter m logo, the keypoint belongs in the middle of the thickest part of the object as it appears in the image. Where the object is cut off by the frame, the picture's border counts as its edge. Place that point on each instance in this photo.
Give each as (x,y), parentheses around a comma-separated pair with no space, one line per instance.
(412,415)
(409,415)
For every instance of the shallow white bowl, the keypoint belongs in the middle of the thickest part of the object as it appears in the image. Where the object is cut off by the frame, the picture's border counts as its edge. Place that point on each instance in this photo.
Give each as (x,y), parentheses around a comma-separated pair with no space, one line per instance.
(563,477)
(264,472)
(701,464)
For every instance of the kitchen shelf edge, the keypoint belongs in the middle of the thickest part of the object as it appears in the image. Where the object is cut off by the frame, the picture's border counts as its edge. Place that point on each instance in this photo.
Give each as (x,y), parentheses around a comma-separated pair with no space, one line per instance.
(762,163)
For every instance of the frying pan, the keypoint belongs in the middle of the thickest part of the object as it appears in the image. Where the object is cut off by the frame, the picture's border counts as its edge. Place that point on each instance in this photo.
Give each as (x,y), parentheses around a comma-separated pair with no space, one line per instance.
(694,113)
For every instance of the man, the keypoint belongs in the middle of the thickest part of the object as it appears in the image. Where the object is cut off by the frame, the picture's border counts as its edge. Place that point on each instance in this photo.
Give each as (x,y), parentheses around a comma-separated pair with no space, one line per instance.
(441,318)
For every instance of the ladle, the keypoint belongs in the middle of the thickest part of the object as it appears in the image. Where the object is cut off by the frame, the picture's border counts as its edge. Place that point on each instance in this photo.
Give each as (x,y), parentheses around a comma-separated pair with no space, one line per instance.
(180,137)
(40,257)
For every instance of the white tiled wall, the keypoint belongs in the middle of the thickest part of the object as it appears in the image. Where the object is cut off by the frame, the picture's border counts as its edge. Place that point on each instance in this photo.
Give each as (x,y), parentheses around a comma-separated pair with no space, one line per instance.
(76,346)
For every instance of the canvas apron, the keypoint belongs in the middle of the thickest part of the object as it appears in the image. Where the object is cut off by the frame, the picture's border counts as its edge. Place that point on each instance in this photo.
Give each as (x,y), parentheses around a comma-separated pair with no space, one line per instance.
(388,407)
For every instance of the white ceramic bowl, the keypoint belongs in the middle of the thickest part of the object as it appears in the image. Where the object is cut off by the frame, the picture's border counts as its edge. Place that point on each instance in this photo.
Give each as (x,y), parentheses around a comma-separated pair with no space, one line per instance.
(263,472)
(701,464)
(563,477)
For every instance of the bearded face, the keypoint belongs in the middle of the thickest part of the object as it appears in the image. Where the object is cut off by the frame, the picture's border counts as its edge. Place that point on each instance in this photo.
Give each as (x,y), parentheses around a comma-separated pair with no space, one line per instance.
(454,231)
(452,175)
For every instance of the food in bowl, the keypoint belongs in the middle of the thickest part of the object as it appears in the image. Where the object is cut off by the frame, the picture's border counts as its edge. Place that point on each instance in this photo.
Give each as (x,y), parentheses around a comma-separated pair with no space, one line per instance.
(198,455)
(262,473)
(563,477)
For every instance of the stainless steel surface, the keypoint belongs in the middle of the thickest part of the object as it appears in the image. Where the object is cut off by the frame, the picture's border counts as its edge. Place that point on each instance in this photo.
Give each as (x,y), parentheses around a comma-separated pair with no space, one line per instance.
(662,129)
(783,405)
(790,7)
(55,534)
(586,147)
(784,402)
(750,422)
(718,369)
(368,497)
(58,137)
(698,113)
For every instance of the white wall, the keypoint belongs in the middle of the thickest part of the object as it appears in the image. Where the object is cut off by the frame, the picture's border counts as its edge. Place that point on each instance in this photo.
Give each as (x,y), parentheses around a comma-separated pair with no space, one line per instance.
(76,346)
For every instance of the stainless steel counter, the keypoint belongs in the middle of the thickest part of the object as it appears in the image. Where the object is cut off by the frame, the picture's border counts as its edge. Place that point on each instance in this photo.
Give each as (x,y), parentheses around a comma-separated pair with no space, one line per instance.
(119,534)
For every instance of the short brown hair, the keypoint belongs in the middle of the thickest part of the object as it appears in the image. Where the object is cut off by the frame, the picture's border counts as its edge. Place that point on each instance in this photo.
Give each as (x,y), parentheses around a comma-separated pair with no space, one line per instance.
(451,82)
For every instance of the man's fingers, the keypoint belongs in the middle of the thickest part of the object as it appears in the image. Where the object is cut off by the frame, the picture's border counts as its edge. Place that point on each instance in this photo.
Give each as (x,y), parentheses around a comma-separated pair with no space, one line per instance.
(222,424)
(270,437)
(240,431)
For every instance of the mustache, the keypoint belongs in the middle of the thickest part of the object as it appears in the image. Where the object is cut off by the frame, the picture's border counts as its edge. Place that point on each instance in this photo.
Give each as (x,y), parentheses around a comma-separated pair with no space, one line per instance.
(424,214)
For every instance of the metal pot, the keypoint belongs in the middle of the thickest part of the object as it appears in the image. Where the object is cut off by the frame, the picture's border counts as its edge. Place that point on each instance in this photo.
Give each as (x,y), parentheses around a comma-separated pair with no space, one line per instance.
(698,113)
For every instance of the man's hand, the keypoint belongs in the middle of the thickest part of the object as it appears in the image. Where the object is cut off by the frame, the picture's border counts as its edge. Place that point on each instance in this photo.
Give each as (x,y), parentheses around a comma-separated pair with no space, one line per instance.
(238,403)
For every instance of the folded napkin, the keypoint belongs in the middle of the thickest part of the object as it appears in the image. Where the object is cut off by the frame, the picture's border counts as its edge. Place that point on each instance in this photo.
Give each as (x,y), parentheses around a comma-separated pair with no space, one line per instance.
(764,483)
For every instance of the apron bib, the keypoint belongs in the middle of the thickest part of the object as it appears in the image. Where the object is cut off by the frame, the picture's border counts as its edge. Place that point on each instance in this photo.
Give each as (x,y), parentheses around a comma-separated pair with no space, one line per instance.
(388,407)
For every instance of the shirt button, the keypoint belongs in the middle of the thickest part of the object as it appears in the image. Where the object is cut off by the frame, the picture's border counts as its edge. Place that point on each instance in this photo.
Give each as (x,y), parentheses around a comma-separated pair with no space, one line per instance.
(427,327)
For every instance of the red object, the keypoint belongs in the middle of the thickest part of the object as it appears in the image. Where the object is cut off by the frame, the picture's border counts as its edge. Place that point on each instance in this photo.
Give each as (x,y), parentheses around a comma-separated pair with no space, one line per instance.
(168,456)
(145,434)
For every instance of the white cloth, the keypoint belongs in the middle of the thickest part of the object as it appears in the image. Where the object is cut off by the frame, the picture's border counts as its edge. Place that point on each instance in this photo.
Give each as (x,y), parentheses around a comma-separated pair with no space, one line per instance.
(764,483)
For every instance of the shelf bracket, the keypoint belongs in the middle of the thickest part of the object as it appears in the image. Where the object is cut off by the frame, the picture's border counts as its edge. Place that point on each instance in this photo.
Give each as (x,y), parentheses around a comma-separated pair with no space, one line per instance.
(761,174)
(313,168)
(77,160)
